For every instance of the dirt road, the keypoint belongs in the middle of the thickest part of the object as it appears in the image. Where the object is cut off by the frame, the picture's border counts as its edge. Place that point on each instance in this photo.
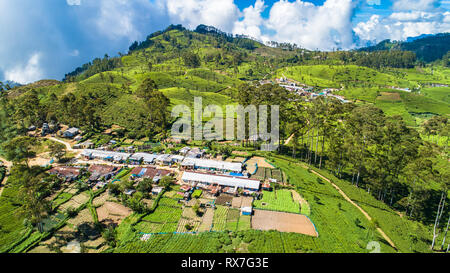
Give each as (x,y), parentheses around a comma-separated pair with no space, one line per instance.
(354,204)
(68,146)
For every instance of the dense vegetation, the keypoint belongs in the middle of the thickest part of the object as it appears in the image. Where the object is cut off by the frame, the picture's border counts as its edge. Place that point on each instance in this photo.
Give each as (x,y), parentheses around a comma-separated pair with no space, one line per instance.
(427,49)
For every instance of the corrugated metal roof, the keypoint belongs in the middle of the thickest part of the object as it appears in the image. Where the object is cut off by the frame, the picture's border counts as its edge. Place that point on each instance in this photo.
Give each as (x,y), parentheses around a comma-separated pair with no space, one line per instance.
(222,180)
(212,164)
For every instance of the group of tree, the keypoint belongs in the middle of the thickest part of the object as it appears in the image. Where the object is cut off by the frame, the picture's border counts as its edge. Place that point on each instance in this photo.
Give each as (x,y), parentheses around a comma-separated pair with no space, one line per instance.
(374,151)
(96,66)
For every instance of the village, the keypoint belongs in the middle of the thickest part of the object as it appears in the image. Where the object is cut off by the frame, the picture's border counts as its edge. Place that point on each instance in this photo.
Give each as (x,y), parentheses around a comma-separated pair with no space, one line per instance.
(305,91)
(207,191)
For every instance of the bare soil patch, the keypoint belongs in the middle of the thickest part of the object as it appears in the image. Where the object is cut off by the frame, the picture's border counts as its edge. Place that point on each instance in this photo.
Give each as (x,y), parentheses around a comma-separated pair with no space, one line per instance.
(84,216)
(223,199)
(207,220)
(112,213)
(75,202)
(387,96)
(283,222)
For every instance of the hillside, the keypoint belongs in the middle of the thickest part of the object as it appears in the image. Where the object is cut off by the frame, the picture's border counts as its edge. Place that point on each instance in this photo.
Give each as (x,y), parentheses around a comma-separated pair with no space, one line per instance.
(428,48)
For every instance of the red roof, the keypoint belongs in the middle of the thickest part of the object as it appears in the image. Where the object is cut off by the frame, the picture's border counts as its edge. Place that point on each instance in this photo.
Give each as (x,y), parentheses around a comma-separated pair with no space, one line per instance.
(150,172)
(65,171)
(101,169)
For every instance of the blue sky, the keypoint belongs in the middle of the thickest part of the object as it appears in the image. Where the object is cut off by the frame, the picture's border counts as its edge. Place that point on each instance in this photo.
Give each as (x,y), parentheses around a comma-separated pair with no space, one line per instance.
(48,38)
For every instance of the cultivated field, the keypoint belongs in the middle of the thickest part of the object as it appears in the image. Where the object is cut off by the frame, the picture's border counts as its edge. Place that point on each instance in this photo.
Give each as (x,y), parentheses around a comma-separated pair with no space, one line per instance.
(112,212)
(282,221)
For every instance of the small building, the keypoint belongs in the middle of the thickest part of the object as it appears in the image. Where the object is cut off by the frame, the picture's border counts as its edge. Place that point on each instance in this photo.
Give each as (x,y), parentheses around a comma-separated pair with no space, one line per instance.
(66,173)
(176,158)
(266,186)
(84,145)
(71,132)
(157,190)
(148,172)
(129,192)
(99,172)
(144,158)
(184,150)
(196,153)
(185,188)
(247,211)
(164,160)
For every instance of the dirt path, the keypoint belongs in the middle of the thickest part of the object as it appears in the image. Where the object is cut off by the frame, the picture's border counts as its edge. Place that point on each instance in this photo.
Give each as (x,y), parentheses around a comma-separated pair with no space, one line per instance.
(298,198)
(354,204)
(68,146)
(288,140)
(8,165)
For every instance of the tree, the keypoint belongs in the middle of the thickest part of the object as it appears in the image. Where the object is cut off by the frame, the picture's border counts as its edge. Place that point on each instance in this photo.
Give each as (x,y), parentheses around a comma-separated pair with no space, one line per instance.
(191,59)
(20,149)
(145,185)
(110,236)
(57,150)
(166,182)
(34,187)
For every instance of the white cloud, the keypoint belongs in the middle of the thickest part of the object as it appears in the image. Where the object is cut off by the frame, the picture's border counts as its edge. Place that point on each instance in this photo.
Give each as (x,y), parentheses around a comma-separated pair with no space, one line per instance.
(422,5)
(74,53)
(116,19)
(324,27)
(403,24)
(218,13)
(27,73)
(73,2)
(252,20)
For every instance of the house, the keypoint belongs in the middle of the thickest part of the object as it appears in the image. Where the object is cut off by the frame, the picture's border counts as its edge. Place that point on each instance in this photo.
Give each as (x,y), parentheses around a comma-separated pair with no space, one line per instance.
(71,132)
(266,186)
(129,192)
(78,138)
(164,160)
(230,190)
(196,153)
(157,190)
(247,211)
(184,151)
(144,158)
(149,172)
(84,145)
(105,155)
(176,158)
(214,189)
(99,172)
(211,165)
(185,188)
(45,129)
(66,173)
(204,180)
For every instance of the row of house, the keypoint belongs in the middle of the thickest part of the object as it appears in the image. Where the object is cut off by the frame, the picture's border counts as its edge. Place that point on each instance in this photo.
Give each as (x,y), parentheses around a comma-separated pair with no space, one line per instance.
(98,172)
(211,165)
(216,183)
(189,163)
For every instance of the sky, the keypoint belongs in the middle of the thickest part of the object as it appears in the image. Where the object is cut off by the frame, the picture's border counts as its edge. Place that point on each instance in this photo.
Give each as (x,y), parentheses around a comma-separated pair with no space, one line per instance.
(45,39)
